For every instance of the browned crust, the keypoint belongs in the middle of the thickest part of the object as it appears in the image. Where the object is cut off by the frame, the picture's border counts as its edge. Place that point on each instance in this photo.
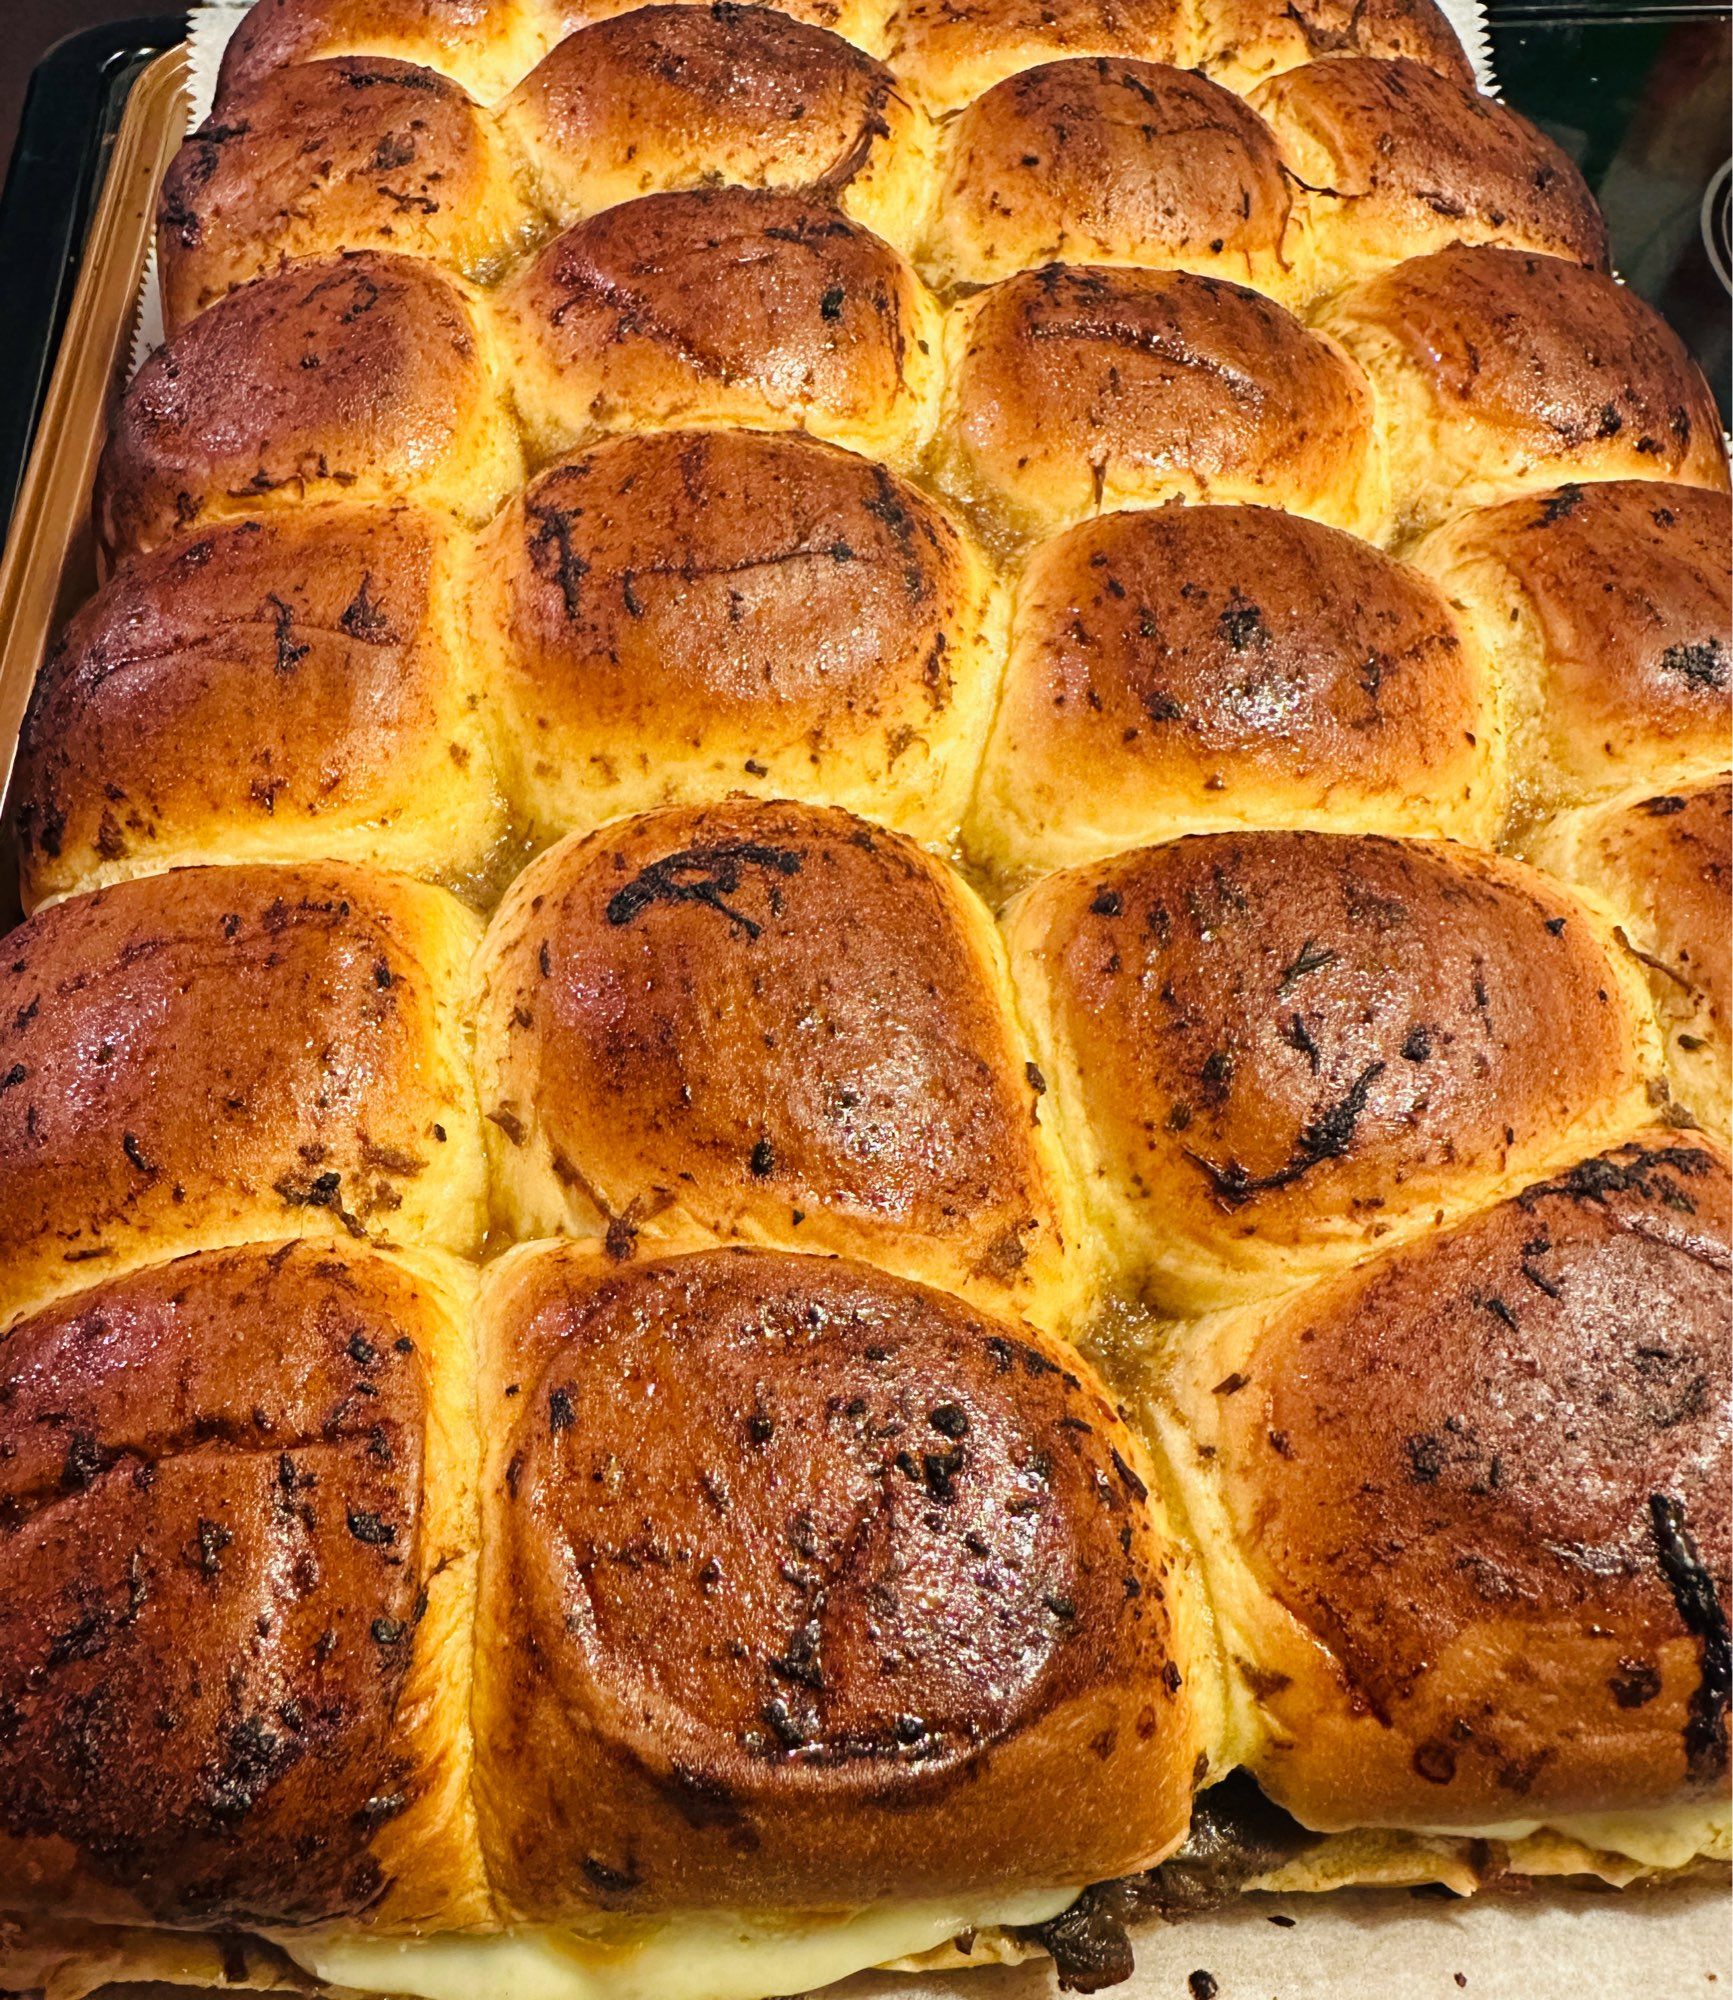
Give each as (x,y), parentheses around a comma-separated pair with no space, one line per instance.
(771,301)
(816,1047)
(1245,40)
(723,589)
(950,50)
(210,1562)
(1553,361)
(1627,585)
(1187,647)
(262,673)
(744,93)
(1077,381)
(1109,159)
(1277,1030)
(485,44)
(359,152)
(217,1048)
(1676,846)
(359,375)
(1414,157)
(1466,1471)
(807,1570)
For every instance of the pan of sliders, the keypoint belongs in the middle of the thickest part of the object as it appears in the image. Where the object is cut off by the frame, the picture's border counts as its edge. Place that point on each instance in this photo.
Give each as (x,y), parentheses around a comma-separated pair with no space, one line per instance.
(865,1105)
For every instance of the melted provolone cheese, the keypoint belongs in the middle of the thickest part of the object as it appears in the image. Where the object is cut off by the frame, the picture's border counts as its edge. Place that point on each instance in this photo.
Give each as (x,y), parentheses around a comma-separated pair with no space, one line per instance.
(1665,1837)
(709,1956)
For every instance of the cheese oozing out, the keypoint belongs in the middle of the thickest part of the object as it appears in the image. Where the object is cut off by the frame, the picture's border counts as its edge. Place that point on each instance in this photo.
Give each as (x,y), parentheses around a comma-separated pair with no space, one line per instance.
(703,1956)
(1663,1837)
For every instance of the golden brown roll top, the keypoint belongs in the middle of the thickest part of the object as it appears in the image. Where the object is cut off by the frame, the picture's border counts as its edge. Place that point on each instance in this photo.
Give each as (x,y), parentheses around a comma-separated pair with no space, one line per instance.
(1074,391)
(1662,863)
(357,153)
(774,1022)
(1242,42)
(236,1563)
(1465,1510)
(1274,1050)
(1498,372)
(1186,669)
(949,52)
(362,377)
(1392,159)
(295,687)
(743,306)
(676,617)
(223,1053)
(486,45)
(1607,611)
(669,97)
(1109,161)
(800,1583)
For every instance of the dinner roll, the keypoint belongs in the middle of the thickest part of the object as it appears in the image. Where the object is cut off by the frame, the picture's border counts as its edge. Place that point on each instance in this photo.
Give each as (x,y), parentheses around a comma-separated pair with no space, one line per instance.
(1104,161)
(1607,611)
(1196,668)
(222,1053)
(1391,159)
(1275,1050)
(1498,372)
(746,306)
(1074,391)
(774,1022)
(1464,1510)
(236,1579)
(295,688)
(359,153)
(800,1583)
(948,52)
(680,616)
(355,377)
(692,96)
(486,45)
(859,21)
(1241,42)
(1663,864)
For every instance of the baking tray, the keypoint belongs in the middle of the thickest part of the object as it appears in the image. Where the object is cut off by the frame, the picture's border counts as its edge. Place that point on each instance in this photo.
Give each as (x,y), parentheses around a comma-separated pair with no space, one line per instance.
(105,114)
(1638,96)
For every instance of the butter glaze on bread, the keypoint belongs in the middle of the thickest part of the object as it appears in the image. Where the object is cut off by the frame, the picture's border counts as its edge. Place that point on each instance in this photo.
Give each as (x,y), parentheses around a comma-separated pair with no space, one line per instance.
(357,153)
(489,46)
(1073,391)
(1607,611)
(747,306)
(1241,42)
(1392,159)
(1193,669)
(669,97)
(675,617)
(950,52)
(1104,161)
(845,1468)
(298,687)
(665,1538)
(358,377)
(1662,864)
(236,1569)
(1464,1509)
(222,1053)
(774,1022)
(486,45)
(1498,373)
(1276,1050)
